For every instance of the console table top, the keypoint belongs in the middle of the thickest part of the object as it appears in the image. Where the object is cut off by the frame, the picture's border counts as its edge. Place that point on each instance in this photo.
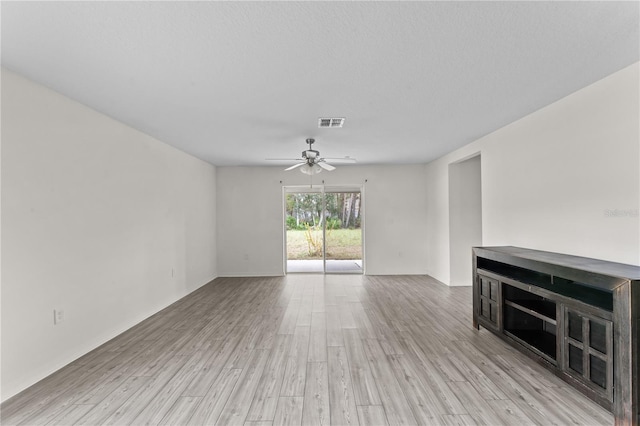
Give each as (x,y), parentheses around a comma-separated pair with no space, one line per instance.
(596,266)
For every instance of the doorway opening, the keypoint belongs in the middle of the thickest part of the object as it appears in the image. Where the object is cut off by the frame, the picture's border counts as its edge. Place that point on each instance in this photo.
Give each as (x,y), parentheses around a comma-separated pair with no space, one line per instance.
(465,217)
(323,230)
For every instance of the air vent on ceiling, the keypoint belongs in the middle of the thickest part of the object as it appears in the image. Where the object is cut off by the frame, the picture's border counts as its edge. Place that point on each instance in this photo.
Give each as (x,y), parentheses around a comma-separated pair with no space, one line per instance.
(330,122)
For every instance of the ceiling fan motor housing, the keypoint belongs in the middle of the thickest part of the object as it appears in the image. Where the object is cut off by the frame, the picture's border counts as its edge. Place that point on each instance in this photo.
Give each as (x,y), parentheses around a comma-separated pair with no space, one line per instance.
(310,154)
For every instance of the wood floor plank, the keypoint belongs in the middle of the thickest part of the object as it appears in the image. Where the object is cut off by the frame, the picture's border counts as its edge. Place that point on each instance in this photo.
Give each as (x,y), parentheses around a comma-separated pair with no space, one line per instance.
(431,377)
(219,355)
(372,415)
(393,399)
(457,420)
(172,390)
(296,364)
(424,402)
(334,328)
(533,400)
(316,404)
(352,291)
(363,322)
(364,386)
(304,315)
(44,413)
(528,371)
(394,350)
(31,399)
(247,345)
(212,404)
(477,378)
(318,338)
(509,413)
(289,411)
(589,413)
(112,402)
(70,416)
(203,338)
(156,361)
(237,406)
(53,397)
(385,334)
(346,316)
(318,304)
(181,411)
(270,330)
(288,324)
(477,406)
(268,391)
(119,376)
(341,399)
(128,411)
(447,370)
(331,290)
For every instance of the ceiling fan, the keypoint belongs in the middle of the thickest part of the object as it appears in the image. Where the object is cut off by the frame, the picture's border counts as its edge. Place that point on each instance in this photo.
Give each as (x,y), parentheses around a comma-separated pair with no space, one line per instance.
(311,163)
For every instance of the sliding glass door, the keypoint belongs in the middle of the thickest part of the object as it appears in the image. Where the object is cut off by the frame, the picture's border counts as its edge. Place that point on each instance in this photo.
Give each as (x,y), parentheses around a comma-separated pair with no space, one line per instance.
(304,224)
(323,230)
(343,232)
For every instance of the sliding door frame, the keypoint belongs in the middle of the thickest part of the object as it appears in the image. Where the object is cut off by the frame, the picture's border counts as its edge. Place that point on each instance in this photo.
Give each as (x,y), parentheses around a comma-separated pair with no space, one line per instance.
(323,190)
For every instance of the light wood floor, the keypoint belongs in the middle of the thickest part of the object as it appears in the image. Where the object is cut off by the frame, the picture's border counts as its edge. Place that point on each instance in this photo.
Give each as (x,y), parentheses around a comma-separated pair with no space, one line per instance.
(307,349)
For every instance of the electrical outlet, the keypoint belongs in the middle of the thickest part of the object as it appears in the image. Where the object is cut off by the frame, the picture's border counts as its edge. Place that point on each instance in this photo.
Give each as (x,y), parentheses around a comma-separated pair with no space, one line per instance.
(58,316)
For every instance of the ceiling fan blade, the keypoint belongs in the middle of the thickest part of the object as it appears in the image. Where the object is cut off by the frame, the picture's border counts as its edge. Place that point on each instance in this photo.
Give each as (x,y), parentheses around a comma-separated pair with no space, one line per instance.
(341,160)
(284,159)
(295,166)
(327,167)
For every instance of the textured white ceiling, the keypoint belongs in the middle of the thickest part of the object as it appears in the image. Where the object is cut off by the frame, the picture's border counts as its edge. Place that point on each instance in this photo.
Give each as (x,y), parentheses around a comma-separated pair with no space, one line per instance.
(236,82)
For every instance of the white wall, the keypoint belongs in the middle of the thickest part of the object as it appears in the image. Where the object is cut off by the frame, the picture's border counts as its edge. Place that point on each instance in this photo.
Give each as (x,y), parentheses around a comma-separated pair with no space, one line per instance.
(465,218)
(95,215)
(562,179)
(250,217)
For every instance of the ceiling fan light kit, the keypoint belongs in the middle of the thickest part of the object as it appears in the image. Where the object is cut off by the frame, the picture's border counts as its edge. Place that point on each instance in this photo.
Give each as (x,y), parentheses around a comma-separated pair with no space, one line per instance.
(311,169)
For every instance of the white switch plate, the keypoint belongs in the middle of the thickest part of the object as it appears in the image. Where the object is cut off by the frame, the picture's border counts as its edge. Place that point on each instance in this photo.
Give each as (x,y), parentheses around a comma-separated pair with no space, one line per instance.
(58,316)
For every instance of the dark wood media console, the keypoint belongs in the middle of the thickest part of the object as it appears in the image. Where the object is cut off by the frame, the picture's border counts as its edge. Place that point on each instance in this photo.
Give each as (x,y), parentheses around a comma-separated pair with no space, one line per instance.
(579,317)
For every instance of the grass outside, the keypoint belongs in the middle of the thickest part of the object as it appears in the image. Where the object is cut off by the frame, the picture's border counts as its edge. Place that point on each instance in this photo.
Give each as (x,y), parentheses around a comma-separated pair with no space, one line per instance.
(342,244)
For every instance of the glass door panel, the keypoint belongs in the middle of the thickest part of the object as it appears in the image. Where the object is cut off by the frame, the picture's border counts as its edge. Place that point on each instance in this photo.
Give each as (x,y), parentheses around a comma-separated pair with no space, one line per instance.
(343,232)
(304,239)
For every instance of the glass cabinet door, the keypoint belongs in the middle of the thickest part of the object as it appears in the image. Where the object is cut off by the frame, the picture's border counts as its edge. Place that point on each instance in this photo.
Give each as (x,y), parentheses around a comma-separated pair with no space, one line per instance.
(588,350)
(488,297)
